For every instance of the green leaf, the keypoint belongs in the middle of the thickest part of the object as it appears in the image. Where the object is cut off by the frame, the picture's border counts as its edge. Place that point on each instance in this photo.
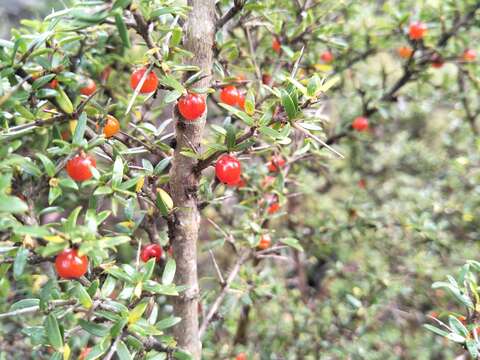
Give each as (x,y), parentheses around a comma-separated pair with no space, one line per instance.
(164,202)
(268,131)
(298,85)
(117,172)
(148,269)
(53,332)
(457,326)
(169,272)
(68,183)
(172,83)
(182,355)
(162,165)
(83,296)
(122,30)
(231,137)
(34,231)
(71,222)
(103,190)
(292,242)
(20,262)
(168,322)
(288,104)
(80,129)
(53,194)
(137,312)
(329,83)
(122,351)
(12,204)
(239,114)
(24,303)
(94,329)
(472,348)
(250,102)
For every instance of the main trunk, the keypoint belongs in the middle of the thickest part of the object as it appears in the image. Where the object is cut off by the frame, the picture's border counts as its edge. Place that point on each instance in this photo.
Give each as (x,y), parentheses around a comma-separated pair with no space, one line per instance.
(184,225)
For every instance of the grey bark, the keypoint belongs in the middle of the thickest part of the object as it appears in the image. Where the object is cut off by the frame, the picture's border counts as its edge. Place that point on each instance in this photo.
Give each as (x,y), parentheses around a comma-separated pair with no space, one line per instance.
(185,222)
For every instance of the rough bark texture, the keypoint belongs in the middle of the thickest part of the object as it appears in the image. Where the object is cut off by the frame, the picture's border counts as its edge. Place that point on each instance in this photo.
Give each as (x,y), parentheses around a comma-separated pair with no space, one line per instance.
(184,225)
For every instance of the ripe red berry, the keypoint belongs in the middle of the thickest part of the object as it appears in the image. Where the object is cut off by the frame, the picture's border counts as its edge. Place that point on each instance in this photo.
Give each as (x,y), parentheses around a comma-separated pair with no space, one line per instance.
(105,73)
(469,55)
(417,30)
(405,52)
(241,101)
(327,57)
(276,163)
(229,95)
(191,106)
(89,88)
(151,251)
(53,84)
(111,127)
(228,170)
(273,208)
(69,265)
(78,168)
(241,183)
(360,124)
(276,46)
(362,184)
(150,84)
(436,61)
(84,353)
(241,356)
(265,242)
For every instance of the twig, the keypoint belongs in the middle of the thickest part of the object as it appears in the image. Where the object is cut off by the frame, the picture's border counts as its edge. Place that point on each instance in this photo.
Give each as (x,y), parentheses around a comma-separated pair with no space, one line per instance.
(237,6)
(216,304)
(317,139)
(32,309)
(217,268)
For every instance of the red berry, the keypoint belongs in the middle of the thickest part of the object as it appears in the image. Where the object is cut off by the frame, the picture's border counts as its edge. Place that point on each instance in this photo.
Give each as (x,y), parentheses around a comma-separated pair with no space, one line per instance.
(105,73)
(53,84)
(150,84)
(436,61)
(228,170)
(273,208)
(241,356)
(360,124)
(405,52)
(170,251)
(267,79)
(191,106)
(78,168)
(84,353)
(469,55)
(362,184)
(327,56)
(276,163)
(241,183)
(417,30)
(229,95)
(151,251)
(265,242)
(241,101)
(89,88)
(276,46)
(69,265)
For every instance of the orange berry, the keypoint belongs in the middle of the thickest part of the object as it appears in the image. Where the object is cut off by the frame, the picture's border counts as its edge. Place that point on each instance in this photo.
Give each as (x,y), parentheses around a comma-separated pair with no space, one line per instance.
(112,126)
